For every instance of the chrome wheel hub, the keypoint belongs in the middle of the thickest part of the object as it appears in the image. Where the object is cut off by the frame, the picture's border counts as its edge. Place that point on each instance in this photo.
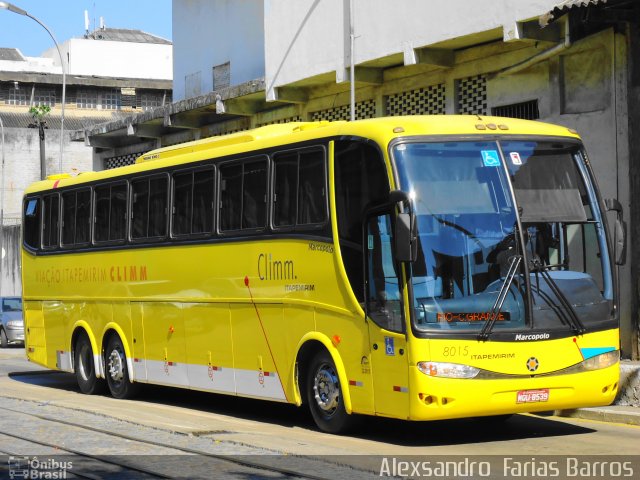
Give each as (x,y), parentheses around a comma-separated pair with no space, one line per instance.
(116,367)
(326,389)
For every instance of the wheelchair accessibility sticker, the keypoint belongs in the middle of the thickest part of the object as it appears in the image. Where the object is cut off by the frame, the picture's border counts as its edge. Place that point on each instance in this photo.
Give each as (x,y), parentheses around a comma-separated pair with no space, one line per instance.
(389,347)
(490,158)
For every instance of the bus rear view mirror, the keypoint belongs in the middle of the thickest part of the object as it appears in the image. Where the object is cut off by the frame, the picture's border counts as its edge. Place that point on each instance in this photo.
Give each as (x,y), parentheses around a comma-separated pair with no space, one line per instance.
(620,231)
(406,244)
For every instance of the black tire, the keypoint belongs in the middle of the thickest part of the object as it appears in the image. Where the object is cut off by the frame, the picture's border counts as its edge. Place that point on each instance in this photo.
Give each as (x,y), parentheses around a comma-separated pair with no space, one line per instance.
(4,341)
(324,395)
(84,367)
(115,361)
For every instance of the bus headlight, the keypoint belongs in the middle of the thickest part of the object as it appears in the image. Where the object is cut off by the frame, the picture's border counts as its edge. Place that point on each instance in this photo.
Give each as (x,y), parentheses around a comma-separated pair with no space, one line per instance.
(603,360)
(447,370)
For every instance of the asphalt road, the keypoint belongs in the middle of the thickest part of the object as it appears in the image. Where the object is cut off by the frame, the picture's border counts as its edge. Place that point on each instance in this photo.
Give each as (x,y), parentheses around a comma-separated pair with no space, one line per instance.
(233,426)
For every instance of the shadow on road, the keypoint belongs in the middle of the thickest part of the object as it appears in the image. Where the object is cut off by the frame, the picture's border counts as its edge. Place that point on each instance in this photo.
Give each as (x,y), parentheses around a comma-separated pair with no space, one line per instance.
(402,433)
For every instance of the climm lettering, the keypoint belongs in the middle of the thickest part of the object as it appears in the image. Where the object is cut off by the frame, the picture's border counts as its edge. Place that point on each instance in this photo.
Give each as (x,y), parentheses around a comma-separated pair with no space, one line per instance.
(128,273)
(273,269)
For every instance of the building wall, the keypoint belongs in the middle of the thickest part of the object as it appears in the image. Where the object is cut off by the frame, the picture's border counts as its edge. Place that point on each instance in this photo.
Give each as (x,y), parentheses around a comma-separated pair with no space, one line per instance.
(311,37)
(10,264)
(22,163)
(104,58)
(207,33)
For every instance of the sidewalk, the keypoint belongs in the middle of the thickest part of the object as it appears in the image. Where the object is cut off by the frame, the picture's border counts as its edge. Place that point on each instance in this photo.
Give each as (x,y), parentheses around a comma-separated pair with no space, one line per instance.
(625,409)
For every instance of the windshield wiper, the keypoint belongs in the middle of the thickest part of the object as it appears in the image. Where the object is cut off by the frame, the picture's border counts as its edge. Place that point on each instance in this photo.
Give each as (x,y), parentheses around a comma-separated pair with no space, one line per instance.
(572,317)
(502,295)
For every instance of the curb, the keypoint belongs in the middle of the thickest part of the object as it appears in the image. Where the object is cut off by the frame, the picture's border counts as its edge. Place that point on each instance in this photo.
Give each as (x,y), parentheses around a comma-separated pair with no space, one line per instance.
(612,414)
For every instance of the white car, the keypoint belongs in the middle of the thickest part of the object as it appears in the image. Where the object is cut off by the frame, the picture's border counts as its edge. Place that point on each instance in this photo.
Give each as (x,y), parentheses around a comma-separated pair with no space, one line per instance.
(11,321)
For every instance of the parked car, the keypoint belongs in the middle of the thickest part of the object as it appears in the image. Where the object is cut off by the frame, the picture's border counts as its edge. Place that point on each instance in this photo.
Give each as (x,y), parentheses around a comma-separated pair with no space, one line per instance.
(11,321)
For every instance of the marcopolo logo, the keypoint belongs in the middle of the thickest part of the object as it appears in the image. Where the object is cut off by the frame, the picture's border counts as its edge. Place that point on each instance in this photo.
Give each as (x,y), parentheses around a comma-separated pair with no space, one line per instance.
(532,336)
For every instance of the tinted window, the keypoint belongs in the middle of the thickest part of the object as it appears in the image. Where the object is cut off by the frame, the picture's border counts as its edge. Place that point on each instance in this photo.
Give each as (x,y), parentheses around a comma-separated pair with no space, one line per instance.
(243,195)
(299,189)
(76,217)
(50,227)
(149,208)
(193,202)
(110,212)
(31,222)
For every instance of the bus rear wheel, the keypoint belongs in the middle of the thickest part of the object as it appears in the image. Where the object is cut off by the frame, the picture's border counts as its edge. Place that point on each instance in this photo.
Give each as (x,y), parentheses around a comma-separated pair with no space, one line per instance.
(116,370)
(324,395)
(84,367)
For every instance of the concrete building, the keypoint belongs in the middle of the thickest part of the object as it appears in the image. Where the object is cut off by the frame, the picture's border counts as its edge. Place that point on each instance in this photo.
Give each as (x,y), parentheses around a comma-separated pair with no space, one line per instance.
(111,73)
(411,57)
(221,44)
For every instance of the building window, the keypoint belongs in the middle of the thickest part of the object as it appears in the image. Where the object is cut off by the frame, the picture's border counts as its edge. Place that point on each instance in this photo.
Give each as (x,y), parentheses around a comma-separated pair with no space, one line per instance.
(150,100)
(121,160)
(86,99)
(524,110)
(111,100)
(192,85)
(44,97)
(221,76)
(18,96)
(472,95)
(364,109)
(422,101)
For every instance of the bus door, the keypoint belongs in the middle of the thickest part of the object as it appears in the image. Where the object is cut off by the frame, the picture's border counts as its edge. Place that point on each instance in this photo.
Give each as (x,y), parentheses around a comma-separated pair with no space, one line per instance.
(384,306)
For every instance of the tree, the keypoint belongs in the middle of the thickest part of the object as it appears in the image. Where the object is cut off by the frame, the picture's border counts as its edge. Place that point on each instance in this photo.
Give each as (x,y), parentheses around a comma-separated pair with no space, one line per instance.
(39,114)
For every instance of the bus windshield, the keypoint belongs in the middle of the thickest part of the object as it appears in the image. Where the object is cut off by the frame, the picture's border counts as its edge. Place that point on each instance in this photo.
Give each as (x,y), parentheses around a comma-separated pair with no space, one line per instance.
(510,234)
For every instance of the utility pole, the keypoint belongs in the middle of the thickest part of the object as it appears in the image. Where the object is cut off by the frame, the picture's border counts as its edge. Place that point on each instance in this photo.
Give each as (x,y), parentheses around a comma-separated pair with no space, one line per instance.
(38,113)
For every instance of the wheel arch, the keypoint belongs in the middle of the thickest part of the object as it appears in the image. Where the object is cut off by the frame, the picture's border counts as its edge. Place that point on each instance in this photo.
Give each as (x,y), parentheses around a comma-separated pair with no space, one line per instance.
(110,329)
(309,345)
(82,327)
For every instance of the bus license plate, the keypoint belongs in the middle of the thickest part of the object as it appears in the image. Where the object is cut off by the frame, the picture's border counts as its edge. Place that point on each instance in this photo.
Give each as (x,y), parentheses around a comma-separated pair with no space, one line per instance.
(532,396)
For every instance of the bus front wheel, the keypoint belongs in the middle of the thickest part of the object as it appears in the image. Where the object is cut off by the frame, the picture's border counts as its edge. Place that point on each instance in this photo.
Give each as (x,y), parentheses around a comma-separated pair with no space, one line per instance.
(324,395)
(116,370)
(84,367)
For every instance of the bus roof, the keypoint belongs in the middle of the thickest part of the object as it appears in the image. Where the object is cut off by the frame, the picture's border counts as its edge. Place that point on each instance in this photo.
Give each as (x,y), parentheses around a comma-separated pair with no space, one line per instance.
(382,130)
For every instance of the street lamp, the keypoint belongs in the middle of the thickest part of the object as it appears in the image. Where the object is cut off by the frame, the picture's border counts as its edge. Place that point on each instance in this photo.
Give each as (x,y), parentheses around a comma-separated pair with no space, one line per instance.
(14,9)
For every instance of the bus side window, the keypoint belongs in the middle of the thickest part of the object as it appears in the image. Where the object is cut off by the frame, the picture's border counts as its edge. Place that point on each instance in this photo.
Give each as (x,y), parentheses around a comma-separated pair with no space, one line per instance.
(118,217)
(157,207)
(76,212)
(311,188)
(254,194)
(182,203)
(299,189)
(31,222)
(149,208)
(83,217)
(285,188)
(110,217)
(230,197)
(202,202)
(243,195)
(51,224)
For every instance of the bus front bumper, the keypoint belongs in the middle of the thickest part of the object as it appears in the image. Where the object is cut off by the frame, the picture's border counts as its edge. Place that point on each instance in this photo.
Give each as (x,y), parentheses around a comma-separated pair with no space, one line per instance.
(434,398)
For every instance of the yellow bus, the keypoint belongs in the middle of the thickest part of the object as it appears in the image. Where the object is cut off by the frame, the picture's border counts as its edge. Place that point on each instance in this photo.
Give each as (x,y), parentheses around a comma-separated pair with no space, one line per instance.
(418,267)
